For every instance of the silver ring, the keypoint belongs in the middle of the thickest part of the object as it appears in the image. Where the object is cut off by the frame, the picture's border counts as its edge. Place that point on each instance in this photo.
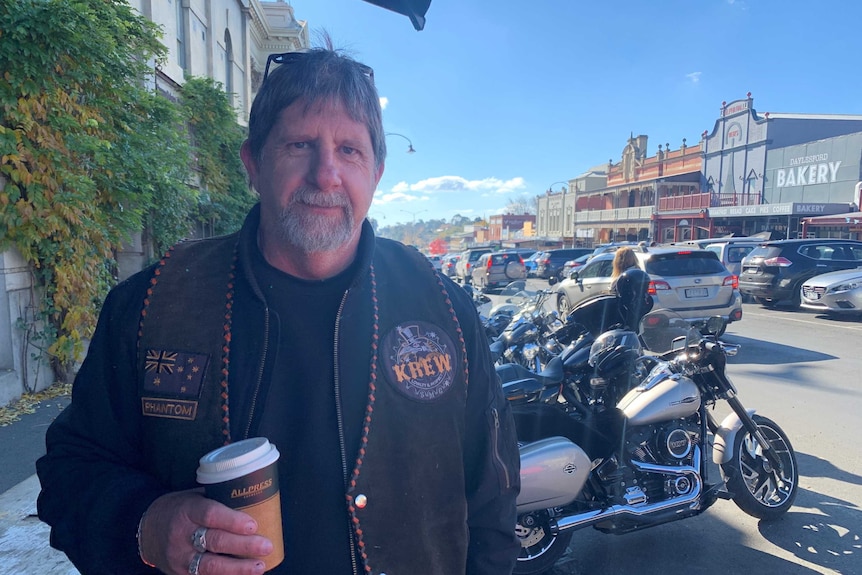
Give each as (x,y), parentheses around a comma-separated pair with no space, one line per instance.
(195,564)
(199,540)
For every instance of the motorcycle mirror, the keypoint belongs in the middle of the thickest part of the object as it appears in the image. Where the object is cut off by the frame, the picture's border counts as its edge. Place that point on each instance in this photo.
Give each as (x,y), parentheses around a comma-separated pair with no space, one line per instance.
(552,280)
(714,325)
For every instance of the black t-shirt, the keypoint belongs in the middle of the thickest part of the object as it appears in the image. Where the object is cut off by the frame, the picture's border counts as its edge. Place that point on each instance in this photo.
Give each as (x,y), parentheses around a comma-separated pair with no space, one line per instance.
(299,418)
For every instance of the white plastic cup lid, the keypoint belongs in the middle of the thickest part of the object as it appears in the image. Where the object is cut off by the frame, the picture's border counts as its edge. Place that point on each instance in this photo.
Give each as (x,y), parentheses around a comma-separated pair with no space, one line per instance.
(235,460)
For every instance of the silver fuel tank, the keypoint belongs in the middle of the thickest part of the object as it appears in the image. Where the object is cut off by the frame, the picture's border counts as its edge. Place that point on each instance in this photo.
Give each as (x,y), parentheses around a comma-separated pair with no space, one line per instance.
(662,397)
(553,472)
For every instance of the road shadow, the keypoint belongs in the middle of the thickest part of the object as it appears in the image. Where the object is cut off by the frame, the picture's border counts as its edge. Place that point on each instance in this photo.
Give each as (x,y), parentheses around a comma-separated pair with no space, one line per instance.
(820,529)
(757,351)
(840,318)
(702,545)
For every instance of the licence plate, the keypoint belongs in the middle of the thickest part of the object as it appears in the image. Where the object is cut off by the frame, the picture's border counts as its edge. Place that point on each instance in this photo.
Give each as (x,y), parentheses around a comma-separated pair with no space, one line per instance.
(696,292)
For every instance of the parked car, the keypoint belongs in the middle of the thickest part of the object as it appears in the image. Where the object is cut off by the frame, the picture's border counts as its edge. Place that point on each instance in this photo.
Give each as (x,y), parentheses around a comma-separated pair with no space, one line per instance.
(550,263)
(612,247)
(464,267)
(731,253)
(447,265)
(691,282)
(834,292)
(774,271)
(530,264)
(436,261)
(593,278)
(498,269)
(574,264)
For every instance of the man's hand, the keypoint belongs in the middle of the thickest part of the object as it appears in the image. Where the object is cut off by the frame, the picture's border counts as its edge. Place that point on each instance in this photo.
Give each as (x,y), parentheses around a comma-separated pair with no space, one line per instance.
(232,546)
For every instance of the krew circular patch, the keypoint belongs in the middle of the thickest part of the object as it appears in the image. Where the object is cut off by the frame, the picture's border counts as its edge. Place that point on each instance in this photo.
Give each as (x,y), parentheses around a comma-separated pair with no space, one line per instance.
(419,360)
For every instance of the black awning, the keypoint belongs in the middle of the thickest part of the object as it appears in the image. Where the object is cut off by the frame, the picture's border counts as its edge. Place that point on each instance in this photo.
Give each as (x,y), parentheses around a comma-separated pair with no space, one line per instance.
(413,9)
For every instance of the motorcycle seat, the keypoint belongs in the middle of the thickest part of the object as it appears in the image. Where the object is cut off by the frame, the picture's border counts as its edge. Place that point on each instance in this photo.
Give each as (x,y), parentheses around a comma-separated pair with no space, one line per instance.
(551,375)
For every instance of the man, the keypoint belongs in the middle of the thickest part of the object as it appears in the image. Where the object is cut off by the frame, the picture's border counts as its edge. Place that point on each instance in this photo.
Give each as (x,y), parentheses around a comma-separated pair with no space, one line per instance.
(365,368)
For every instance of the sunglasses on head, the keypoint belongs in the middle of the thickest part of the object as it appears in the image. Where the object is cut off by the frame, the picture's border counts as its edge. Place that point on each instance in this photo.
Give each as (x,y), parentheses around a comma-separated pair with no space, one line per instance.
(288,57)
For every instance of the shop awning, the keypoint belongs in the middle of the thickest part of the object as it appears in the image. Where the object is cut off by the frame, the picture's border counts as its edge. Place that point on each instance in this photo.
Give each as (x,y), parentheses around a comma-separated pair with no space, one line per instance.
(852,220)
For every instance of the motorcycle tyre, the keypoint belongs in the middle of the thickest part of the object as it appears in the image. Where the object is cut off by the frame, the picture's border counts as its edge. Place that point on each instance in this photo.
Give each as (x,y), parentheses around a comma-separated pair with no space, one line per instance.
(546,561)
(736,483)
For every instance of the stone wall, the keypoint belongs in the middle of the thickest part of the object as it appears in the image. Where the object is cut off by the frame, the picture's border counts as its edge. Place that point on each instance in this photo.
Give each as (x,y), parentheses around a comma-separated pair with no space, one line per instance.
(19,371)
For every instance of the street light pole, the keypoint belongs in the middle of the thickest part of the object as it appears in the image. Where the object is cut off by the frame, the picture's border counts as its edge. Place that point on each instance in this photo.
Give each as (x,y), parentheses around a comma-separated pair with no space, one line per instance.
(410,148)
(413,225)
(414,214)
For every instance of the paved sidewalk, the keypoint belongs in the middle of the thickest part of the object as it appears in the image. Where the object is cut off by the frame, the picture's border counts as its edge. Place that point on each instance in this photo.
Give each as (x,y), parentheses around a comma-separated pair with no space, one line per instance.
(24,548)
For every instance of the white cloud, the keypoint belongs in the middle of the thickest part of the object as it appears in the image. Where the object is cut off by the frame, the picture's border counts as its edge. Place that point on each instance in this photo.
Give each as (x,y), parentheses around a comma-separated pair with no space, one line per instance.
(693,77)
(447,184)
(384,101)
(382,198)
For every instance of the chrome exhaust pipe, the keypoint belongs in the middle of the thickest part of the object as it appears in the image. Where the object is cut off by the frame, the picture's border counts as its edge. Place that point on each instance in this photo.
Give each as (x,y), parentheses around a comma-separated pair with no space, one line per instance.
(689,500)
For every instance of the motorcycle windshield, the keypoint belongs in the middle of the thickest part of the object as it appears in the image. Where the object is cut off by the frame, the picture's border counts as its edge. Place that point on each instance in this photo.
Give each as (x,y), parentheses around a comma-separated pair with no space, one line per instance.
(597,314)
(663,330)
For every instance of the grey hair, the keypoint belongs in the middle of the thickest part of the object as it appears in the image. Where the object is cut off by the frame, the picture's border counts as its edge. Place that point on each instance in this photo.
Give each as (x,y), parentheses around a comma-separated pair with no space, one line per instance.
(320,76)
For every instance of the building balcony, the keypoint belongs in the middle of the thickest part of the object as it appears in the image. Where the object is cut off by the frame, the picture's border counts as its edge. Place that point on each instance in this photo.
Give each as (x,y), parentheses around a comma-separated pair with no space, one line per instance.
(719,200)
(683,203)
(618,215)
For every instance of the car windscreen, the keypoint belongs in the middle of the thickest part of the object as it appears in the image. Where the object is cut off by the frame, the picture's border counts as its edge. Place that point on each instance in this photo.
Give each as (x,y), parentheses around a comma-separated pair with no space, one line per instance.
(684,264)
(500,259)
(763,252)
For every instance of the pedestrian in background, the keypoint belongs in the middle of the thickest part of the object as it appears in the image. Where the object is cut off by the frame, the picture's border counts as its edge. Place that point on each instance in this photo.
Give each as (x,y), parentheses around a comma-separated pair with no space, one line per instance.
(367,370)
(624,258)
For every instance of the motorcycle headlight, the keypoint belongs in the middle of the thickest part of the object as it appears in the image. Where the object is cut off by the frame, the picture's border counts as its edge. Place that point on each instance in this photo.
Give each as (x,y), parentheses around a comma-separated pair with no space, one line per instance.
(531,350)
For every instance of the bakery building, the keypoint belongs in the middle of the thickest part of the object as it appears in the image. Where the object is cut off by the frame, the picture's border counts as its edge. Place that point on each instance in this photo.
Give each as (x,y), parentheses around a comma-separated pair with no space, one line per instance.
(770,172)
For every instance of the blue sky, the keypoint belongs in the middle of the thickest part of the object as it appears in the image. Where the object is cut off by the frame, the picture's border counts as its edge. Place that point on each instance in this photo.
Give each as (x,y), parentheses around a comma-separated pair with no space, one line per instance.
(501,98)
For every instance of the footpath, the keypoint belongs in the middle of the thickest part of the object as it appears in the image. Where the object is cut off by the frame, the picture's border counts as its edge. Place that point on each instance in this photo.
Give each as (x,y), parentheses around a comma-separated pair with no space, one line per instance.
(24,547)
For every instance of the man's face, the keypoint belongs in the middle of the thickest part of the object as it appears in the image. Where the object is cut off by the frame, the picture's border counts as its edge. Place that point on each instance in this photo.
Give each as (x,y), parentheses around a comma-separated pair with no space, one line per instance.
(316,177)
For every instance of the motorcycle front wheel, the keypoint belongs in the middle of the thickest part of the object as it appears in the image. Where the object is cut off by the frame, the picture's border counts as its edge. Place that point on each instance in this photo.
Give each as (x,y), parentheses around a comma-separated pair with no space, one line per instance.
(540,549)
(756,486)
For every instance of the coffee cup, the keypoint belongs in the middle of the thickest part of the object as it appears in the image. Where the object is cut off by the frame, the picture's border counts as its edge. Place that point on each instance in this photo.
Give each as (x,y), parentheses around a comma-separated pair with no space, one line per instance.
(244,476)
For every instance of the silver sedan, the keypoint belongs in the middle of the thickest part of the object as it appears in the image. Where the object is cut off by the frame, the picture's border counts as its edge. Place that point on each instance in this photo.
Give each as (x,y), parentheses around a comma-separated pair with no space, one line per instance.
(834,292)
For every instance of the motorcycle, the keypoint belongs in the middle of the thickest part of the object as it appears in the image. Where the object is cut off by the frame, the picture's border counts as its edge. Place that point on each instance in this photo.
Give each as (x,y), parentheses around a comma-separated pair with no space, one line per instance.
(643,460)
(533,335)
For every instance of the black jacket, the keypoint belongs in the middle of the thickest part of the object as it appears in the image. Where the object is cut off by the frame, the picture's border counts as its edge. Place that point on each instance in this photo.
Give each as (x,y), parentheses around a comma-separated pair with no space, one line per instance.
(455,495)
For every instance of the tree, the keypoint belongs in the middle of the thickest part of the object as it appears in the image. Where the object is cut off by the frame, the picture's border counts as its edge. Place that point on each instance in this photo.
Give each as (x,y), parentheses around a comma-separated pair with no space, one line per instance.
(226,197)
(438,247)
(521,205)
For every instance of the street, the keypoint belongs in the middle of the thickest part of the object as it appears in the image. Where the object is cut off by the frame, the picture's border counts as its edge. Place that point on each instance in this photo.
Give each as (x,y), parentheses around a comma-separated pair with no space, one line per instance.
(797,368)
(803,371)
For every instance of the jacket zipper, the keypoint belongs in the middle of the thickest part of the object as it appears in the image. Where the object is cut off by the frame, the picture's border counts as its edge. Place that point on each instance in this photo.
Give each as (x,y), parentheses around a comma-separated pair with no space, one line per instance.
(497,456)
(259,371)
(340,419)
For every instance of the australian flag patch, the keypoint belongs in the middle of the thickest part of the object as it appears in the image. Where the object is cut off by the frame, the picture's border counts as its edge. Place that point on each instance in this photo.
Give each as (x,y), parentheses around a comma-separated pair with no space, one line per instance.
(174,373)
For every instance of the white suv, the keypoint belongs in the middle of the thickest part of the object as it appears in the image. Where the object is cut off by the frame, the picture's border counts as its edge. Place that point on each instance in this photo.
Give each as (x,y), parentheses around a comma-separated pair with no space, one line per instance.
(691,282)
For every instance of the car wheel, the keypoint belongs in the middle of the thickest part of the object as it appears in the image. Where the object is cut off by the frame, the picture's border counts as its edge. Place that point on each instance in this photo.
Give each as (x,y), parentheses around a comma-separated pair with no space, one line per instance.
(564,306)
(796,298)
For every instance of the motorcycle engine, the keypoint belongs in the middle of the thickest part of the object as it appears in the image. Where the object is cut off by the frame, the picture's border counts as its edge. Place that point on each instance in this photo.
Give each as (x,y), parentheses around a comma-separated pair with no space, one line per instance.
(670,443)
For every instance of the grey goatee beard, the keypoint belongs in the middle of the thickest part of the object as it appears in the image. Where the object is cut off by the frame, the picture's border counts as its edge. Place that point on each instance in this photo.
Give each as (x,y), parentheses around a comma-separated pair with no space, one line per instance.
(312,232)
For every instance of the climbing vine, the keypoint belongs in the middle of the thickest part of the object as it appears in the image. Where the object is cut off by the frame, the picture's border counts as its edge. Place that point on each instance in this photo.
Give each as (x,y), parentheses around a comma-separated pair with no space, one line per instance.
(89,156)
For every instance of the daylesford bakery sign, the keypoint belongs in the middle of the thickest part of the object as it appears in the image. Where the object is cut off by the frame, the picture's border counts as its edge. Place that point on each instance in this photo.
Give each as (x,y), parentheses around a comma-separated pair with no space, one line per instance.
(806,171)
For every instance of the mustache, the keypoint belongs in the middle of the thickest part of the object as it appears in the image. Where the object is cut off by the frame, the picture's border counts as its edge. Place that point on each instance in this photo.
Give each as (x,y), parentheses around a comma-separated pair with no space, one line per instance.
(313,197)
